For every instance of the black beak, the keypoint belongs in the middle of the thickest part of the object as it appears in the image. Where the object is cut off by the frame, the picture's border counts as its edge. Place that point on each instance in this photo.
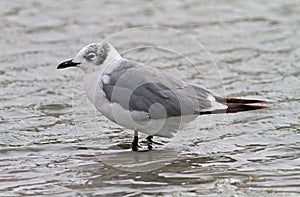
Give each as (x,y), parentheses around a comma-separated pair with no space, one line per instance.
(67,64)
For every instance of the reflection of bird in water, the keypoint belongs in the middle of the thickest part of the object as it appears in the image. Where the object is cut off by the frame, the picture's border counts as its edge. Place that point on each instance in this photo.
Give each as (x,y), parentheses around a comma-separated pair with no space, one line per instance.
(145,99)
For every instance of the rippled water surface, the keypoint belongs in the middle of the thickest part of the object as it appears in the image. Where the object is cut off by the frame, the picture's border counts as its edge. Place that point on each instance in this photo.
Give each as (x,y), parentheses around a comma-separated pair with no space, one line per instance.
(53,141)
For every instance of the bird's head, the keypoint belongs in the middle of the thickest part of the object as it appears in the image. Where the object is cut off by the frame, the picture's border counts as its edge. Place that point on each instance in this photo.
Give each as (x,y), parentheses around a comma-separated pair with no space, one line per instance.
(92,57)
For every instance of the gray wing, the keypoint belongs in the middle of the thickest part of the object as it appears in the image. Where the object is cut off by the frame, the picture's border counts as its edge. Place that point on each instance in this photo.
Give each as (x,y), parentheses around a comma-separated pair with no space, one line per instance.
(139,88)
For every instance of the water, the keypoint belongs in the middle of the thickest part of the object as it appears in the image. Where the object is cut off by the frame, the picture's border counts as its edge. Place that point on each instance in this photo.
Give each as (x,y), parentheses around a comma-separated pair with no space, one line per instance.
(53,142)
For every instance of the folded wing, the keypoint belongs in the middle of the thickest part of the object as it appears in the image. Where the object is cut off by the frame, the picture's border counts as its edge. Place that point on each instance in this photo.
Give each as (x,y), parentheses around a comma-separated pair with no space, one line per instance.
(139,88)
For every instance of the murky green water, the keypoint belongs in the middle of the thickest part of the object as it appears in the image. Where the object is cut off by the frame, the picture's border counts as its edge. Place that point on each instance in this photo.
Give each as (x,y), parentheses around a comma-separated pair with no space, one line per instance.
(53,142)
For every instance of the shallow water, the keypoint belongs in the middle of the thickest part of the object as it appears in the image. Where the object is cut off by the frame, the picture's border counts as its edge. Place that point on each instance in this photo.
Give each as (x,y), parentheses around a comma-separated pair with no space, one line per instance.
(53,142)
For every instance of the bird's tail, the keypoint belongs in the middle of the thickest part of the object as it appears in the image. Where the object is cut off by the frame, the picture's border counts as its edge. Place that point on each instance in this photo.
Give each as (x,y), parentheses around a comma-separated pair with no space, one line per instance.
(237,105)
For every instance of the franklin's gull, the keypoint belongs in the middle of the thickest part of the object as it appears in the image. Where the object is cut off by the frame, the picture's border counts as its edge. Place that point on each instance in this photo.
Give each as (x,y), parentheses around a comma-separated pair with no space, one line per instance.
(143,98)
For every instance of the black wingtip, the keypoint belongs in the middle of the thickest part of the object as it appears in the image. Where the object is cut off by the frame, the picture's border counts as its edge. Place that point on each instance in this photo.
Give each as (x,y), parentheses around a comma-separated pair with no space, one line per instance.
(236,107)
(237,100)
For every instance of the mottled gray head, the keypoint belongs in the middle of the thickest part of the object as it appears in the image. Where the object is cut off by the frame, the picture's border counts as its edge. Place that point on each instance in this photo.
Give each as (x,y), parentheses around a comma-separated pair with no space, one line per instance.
(92,57)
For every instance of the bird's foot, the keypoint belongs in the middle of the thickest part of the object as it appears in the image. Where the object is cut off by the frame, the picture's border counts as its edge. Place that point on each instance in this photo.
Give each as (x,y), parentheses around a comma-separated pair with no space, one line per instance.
(135,144)
(150,141)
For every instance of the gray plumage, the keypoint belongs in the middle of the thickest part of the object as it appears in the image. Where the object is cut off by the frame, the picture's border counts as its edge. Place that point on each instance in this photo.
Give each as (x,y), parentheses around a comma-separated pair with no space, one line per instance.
(139,88)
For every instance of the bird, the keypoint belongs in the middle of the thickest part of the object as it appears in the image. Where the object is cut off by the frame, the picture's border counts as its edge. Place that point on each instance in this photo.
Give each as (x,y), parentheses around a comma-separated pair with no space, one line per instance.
(143,98)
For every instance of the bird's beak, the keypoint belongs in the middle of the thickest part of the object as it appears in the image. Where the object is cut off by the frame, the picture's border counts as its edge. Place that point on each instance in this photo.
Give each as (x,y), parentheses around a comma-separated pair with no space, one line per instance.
(66,64)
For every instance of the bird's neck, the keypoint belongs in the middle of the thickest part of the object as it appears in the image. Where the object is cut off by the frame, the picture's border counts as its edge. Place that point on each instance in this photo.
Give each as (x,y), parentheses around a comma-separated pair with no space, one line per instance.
(113,56)
(111,61)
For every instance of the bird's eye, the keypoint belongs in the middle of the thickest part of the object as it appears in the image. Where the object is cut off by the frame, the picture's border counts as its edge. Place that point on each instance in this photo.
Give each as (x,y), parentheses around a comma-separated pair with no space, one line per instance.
(91,56)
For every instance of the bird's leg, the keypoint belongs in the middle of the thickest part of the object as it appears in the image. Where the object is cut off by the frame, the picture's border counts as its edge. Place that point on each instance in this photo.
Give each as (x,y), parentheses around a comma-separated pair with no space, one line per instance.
(150,141)
(135,142)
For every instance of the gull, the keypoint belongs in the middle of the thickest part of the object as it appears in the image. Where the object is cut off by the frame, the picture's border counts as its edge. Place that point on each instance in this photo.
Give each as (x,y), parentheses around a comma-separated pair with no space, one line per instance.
(143,98)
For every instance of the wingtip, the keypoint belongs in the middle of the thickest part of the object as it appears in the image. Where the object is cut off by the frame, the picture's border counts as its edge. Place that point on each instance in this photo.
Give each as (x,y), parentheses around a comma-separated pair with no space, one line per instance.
(238,100)
(237,107)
